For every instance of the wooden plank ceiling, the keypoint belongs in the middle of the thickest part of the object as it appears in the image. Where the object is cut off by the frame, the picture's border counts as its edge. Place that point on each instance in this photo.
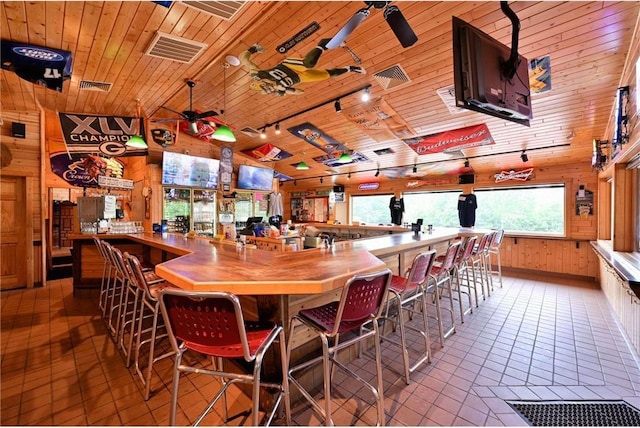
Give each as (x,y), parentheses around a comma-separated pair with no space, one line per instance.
(586,41)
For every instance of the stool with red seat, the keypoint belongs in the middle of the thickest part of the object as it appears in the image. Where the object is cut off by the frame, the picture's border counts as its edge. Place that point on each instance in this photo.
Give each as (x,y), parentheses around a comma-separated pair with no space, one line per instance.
(461,269)
(441,277)
(361,302)
(211,324)
(479,263)
(405,292)
(149,309)
(494,249)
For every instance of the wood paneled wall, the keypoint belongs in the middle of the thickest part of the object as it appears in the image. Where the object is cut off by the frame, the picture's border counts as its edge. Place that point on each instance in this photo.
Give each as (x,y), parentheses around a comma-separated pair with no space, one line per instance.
(22,156)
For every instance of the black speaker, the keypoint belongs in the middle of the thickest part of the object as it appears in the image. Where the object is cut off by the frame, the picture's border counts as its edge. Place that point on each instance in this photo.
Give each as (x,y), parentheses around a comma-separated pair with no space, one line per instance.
(338,189)
(466,179)
(18,130)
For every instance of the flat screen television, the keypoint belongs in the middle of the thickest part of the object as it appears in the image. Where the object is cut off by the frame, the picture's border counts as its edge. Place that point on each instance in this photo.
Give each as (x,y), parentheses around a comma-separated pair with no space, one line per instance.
(479,82)
(255,178)
(189,171)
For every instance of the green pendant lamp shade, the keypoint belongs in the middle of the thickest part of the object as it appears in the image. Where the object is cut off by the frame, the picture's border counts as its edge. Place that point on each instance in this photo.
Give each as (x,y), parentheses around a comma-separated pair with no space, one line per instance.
(136,142)
(302,165)
(345,157)
(223,133)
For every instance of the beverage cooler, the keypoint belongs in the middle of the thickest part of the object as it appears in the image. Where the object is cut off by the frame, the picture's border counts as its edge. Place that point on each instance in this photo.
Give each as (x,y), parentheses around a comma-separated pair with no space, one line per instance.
(187,209)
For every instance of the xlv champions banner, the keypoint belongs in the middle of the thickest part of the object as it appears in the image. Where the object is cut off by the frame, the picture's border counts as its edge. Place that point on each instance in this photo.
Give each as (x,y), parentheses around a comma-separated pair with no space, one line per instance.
(107,135)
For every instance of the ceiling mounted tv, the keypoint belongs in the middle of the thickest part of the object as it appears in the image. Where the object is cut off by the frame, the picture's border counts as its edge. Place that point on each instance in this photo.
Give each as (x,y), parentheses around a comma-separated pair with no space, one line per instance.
(481,69)
(255,178)
(189,171)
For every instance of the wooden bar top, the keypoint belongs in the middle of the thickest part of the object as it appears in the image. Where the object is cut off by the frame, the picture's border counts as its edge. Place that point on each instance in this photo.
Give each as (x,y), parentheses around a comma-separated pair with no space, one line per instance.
(206,265)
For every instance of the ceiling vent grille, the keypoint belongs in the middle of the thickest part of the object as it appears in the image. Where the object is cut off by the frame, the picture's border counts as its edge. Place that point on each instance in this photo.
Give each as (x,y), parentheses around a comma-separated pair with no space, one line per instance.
(221,9)
(88,85)
(448,96)
(250,131)
(174,48)
(392,77)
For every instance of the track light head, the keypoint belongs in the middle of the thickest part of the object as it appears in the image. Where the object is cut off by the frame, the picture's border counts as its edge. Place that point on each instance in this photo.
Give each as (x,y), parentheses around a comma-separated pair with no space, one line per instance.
(466,163)
(263,133)
(415,168)
(321,180)
(524,156)
(337,105)
(366,95)
(278,128)
(377,172)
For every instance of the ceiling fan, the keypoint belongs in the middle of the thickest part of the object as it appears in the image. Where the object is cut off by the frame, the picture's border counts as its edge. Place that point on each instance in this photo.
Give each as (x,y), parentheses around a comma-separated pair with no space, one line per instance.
(397,22)
(192,116)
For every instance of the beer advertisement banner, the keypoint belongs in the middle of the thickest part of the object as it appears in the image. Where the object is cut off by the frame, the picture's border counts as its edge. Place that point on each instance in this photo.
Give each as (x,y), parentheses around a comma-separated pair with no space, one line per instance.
(105,135)
(333,149)
(267,153)
(85,170)
(451,141)
(378,120)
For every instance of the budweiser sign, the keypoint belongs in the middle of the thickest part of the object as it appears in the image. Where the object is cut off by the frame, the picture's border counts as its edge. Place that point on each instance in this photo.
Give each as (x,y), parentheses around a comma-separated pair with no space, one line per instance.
(523,175)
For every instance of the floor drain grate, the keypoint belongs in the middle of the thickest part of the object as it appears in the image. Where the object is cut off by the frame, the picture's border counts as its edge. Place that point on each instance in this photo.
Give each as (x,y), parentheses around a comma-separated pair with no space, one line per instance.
(577,413)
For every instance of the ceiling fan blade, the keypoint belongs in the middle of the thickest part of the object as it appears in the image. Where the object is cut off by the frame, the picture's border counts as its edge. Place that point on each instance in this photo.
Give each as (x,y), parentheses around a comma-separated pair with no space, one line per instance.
(400,26)
(174,111)
(209,113)
(167,120)
(348,28)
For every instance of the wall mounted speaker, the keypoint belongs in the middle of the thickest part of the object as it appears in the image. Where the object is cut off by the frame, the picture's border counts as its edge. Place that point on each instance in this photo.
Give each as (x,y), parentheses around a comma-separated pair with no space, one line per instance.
(466,179)
(338,189)
(18,130)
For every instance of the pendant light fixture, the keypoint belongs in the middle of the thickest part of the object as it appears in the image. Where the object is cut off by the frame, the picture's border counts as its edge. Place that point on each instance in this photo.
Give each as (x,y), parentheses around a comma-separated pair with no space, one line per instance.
(302,165)
(345,157)
(136,141)
(224,133)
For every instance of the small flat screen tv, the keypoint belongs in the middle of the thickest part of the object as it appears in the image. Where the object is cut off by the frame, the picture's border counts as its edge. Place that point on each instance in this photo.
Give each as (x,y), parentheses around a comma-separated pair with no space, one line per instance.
(189,171)
(479,81)
(255,178)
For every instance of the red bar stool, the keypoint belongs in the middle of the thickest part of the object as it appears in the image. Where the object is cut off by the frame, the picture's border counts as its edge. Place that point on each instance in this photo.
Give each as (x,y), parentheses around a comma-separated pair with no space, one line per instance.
(405,292)
(478,263)
(150,304)
(440,277)
(461,268)
(116,290)
(361,302)
(211,323)
(494,249)
(106,276)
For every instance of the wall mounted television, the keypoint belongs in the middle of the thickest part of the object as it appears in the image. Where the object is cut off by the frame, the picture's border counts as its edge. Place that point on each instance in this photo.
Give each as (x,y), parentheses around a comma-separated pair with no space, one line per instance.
(255,178)
(479,81)
(189,171)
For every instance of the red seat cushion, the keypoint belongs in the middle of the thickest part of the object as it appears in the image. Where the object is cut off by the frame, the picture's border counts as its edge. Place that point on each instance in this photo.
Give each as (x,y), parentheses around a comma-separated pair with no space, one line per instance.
(257,334)
(324,317)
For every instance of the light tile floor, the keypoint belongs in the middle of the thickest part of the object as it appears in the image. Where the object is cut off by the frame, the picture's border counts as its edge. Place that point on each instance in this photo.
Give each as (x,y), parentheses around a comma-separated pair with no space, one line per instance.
(536,338)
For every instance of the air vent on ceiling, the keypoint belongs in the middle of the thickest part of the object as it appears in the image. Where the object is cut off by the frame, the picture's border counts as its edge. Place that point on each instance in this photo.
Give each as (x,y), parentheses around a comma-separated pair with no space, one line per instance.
(392,77)
(448,96)
(385,151)
(88,85)
(174,48)
(250,131)
(222,9)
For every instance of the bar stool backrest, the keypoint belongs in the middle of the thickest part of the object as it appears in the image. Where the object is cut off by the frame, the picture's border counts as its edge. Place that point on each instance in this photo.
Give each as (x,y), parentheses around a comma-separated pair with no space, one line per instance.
(450,256)
(137,276)
(118,259)
(362,299)
(497,238)
(98,243)
(420,270)
(207,322)
(482,244)
(467,252)
(487,244)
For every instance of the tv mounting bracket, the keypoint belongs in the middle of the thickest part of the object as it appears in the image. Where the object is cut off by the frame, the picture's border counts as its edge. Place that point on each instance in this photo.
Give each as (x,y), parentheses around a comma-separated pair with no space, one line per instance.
(510,66)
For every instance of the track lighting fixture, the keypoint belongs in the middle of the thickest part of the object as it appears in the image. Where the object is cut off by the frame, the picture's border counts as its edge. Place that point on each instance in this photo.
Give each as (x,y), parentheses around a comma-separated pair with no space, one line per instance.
(524,156)
(337,105)
(415,168)
(466,163)
(349,176)
(263,133)
(377,172)
(366,95)
(278,128)
(321,180)
(295,182)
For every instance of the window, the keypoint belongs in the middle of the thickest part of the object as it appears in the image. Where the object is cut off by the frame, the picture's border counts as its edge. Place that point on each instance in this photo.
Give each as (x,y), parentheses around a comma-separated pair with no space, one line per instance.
(371,209)
(523,209)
